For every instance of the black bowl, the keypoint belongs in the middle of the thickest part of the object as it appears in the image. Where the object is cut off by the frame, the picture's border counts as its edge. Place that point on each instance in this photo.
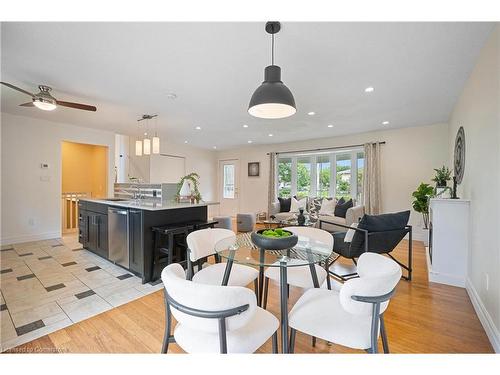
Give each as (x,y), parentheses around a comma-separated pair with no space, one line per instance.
(270,243)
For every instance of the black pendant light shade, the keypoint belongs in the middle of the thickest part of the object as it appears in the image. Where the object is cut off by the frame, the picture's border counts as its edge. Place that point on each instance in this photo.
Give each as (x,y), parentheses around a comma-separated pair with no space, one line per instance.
(272,99)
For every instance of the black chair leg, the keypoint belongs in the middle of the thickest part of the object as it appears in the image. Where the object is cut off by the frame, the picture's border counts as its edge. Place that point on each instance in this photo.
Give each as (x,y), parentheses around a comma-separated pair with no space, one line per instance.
(291,347)
(266,291)
(275,342)
(383,333)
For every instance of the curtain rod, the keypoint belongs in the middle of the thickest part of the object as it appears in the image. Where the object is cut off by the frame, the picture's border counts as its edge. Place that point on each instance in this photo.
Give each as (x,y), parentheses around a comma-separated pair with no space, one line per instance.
(323,149)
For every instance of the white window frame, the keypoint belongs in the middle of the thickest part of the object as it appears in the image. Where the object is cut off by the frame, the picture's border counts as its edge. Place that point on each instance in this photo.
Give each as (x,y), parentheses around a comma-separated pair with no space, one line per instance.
(313,158)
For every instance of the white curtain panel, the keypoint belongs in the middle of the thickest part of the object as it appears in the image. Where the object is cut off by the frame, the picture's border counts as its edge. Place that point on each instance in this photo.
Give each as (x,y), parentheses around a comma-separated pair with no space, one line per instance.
(271,196)
(371,181)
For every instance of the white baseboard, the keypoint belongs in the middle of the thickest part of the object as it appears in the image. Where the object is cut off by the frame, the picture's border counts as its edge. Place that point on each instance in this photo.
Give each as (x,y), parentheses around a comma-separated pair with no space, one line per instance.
(29,238)
(484,317)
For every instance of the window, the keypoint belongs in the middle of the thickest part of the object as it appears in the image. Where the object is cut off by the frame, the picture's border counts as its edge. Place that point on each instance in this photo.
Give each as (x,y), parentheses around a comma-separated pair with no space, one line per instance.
(326,174)
(343,176)
(360,157)
(228,188)
(323,176)
(303,177)
(284,180)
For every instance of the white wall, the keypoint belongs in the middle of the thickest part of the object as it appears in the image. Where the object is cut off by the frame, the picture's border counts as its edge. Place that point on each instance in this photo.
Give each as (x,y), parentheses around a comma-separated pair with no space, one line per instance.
(203,162)
(478,111)
(407,158)
(31,196)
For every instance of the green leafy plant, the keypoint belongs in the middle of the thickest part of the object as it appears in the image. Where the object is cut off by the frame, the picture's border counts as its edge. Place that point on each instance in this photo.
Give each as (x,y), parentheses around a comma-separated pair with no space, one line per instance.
(443,175)
(195,179)
(421,201)
(276,233)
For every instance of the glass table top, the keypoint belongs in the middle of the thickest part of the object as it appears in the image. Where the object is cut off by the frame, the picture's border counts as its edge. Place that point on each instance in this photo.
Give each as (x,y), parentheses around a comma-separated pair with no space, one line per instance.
(242,250)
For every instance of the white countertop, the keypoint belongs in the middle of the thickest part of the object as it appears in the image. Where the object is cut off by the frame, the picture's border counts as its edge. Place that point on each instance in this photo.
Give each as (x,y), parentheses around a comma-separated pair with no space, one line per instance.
(150,206)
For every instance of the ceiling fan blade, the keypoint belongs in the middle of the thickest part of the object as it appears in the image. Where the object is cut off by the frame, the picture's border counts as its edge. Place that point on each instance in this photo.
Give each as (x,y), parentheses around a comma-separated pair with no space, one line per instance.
(17,89)
(29,104)
(85,107)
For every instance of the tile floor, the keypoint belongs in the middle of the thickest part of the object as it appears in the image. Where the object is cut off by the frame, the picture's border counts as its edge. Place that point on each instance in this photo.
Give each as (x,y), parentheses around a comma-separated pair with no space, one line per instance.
(51,284)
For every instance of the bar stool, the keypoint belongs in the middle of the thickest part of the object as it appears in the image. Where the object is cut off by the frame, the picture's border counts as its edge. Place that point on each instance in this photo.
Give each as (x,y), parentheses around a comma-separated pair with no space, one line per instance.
(168,241)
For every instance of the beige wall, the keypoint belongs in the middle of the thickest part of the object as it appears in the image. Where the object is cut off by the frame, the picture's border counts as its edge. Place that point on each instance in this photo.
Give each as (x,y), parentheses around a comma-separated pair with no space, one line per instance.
(30,195)
(408,158)
(84,169)
(478,111)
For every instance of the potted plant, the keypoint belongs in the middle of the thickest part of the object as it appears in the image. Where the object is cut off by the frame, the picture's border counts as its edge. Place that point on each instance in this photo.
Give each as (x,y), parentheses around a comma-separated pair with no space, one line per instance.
(194,180)
(443,175)
(421,204)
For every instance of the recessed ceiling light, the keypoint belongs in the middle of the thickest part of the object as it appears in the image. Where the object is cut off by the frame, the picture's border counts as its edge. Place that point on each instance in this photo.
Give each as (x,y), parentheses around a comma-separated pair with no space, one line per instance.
(385,123)
(249,141)
(198,128)
(270,134)
(330,126)
(369,89)
(185,141)
(311,113)
(145,133)
(171,95)
(215,147)
(245,126)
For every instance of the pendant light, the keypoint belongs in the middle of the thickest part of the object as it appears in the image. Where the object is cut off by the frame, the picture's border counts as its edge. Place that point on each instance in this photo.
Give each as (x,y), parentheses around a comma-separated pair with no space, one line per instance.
(144,146)
(138,148)
(156,141)
(272,99)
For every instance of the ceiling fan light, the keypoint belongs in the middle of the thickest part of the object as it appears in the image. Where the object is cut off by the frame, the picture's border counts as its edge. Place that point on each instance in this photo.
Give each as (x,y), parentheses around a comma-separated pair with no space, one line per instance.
(138,148)
(156,145)
(44,104)
(272,99)
(147,146)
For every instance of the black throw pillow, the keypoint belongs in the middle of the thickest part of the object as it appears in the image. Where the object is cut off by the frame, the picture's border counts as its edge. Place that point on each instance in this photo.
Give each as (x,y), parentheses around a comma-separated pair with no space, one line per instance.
(341,208)
(384,222)
(285,204)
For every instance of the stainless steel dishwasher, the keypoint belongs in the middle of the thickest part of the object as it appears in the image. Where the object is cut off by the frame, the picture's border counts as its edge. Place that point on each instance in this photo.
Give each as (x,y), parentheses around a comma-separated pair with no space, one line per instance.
(118,236)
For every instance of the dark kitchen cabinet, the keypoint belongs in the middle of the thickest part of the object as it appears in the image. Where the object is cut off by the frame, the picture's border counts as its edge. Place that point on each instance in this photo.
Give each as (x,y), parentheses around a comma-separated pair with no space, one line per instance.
(83,227)
(95,236)
(135,241)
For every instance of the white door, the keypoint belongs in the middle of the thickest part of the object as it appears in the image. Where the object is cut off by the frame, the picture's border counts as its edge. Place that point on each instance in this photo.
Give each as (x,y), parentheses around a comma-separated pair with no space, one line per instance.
(228,187)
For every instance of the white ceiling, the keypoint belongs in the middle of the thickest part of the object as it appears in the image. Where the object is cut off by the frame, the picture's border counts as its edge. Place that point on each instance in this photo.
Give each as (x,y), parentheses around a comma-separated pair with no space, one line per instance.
(127,69)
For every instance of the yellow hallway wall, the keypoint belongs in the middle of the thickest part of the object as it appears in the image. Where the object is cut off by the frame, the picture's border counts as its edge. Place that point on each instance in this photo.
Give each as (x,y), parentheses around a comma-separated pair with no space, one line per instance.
(84,168)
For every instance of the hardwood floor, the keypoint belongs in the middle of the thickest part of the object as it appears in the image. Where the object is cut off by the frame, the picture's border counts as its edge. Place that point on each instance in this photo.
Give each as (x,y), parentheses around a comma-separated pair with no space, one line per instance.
(423,317)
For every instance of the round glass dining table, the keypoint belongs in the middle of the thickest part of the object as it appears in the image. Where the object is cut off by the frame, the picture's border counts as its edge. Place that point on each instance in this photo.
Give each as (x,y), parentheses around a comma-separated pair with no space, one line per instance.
(306,253)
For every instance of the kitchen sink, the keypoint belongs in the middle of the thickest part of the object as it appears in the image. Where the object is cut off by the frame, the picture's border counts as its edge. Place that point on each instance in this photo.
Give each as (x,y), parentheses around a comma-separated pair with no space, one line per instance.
(115,199)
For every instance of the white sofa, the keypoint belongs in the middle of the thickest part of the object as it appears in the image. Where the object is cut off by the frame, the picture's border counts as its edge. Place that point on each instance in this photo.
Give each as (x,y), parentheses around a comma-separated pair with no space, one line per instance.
(353,215)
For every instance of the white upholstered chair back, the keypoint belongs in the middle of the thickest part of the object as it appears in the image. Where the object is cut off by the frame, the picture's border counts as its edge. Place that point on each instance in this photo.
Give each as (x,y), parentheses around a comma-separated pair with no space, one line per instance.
(201,243)
(319,235)
(378,275)
(207,298)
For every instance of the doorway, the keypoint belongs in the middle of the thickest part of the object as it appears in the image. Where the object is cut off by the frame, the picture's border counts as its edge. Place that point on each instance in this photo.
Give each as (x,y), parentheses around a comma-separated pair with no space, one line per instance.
(84,175)
(229,187)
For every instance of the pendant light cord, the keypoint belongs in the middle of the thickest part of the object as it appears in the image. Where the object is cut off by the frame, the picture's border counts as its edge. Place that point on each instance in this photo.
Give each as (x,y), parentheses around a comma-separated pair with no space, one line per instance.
(272,49)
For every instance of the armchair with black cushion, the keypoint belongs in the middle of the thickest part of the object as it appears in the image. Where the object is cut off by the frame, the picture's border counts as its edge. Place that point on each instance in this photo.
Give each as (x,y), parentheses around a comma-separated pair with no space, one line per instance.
(374,233)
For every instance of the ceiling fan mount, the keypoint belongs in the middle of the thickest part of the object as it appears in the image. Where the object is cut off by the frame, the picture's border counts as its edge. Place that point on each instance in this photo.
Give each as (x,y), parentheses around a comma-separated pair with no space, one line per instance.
(45,101)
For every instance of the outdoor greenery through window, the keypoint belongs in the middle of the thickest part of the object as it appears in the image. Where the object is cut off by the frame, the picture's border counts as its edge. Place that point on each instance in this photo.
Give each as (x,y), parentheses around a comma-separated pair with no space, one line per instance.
(327,174)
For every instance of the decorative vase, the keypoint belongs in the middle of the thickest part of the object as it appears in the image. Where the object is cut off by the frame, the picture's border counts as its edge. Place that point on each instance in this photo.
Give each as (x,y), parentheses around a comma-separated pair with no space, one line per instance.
(301,219)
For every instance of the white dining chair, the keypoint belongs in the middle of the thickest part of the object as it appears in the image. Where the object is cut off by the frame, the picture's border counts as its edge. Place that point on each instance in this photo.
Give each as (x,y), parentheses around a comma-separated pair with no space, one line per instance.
(213,319)
(353,316)
(300,276)
(201,244)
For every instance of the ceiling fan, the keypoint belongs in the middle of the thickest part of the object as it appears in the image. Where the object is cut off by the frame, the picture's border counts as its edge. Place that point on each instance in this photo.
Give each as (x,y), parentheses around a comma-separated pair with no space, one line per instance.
(43,100)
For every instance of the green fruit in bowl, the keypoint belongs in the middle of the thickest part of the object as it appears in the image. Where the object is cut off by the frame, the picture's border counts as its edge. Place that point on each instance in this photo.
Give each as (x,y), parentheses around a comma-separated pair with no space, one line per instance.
(276,233)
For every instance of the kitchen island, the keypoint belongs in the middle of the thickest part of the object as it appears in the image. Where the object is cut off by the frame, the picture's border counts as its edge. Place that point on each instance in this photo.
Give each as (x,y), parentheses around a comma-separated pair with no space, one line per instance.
(120,230)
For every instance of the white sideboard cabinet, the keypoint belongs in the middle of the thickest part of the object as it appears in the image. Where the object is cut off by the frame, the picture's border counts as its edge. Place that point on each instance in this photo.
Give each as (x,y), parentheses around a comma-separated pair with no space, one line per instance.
(449,233)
